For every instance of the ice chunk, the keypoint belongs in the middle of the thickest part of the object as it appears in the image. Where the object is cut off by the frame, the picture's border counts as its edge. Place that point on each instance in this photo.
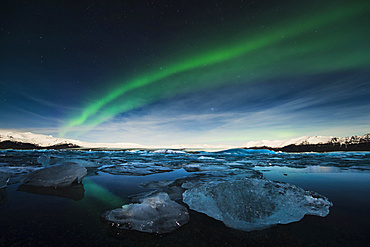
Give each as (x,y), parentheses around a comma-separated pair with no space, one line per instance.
(192,167)
(199,179)
(169,151)
(85,163)
(244,152)
(4,177)
(205,158)
(176,188)
(156,214)
(135,151)
(135,169)
(44,160)
(205,167)
(56,176)
(252,204)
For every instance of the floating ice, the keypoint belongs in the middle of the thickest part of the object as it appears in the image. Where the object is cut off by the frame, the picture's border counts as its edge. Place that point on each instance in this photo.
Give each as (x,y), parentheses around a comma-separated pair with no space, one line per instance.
(192,167)
(205,167)
(205,158)
(17,170)
(169,151)
(135,169)
(4,177)
(202,178)
(85,163)
(251,204)
(15,173)
(135,152)
(243,152)
(44,160)
(176,188)
(156,214)
(56,176)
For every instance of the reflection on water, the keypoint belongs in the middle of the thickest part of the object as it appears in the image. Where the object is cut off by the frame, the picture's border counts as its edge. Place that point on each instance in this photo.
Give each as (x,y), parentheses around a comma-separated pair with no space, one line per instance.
(307,169)
(2,196)
(322,169)
(99,192)
(74,191)
(71,216)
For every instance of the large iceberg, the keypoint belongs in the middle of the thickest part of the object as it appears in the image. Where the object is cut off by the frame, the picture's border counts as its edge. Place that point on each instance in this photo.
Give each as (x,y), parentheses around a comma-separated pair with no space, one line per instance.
(56,176)
(156,214)
(253,204)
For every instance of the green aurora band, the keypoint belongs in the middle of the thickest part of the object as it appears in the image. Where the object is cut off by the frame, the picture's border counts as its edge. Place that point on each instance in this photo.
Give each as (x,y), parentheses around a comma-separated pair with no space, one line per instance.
(321,43)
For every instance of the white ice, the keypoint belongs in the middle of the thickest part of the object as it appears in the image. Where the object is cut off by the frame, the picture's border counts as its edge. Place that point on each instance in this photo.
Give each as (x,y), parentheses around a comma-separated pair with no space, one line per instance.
(156,214)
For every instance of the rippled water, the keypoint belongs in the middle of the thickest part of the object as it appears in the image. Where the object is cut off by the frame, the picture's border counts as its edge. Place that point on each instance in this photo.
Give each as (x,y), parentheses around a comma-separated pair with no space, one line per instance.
(71,216)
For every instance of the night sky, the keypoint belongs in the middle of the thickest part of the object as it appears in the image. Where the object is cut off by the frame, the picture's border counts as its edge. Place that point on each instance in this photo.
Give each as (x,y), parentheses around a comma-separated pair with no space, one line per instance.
(181,72)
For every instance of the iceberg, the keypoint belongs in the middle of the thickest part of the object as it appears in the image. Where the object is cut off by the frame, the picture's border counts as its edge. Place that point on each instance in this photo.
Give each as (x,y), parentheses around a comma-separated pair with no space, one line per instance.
(244,152)
(44,160)
(56,176)
(156,214)
(85,163)
(206,158)
(176,188)
(169,151)
(253,204)
(204,167)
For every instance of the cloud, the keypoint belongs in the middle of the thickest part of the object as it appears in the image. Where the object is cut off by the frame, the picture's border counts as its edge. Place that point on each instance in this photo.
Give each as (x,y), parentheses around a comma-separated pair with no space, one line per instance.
(212,118)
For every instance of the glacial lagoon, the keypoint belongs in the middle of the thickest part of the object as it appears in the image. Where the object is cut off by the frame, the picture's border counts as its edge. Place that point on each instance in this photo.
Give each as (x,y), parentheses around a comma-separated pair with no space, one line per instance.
(228,198)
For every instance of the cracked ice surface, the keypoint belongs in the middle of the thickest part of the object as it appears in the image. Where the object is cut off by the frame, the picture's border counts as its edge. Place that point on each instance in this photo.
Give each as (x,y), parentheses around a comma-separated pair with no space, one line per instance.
(252,204)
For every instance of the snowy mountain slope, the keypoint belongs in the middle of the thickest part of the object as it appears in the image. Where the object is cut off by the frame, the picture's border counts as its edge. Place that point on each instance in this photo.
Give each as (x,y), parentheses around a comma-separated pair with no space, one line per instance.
(47,141)
(309,141)
(37,139)
(296,141)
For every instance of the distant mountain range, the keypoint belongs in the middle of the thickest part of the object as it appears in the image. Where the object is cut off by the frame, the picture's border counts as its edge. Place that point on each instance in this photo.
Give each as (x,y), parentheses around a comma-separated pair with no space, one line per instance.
(314,144)
(10,139)
(26,140)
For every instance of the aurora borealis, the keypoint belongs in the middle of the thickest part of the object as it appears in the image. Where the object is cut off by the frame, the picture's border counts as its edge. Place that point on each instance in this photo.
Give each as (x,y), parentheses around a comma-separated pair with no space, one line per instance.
(167,72)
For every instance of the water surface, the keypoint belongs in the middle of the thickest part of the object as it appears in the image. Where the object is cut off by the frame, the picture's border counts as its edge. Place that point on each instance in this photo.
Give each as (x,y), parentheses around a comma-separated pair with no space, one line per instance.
(72,217)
